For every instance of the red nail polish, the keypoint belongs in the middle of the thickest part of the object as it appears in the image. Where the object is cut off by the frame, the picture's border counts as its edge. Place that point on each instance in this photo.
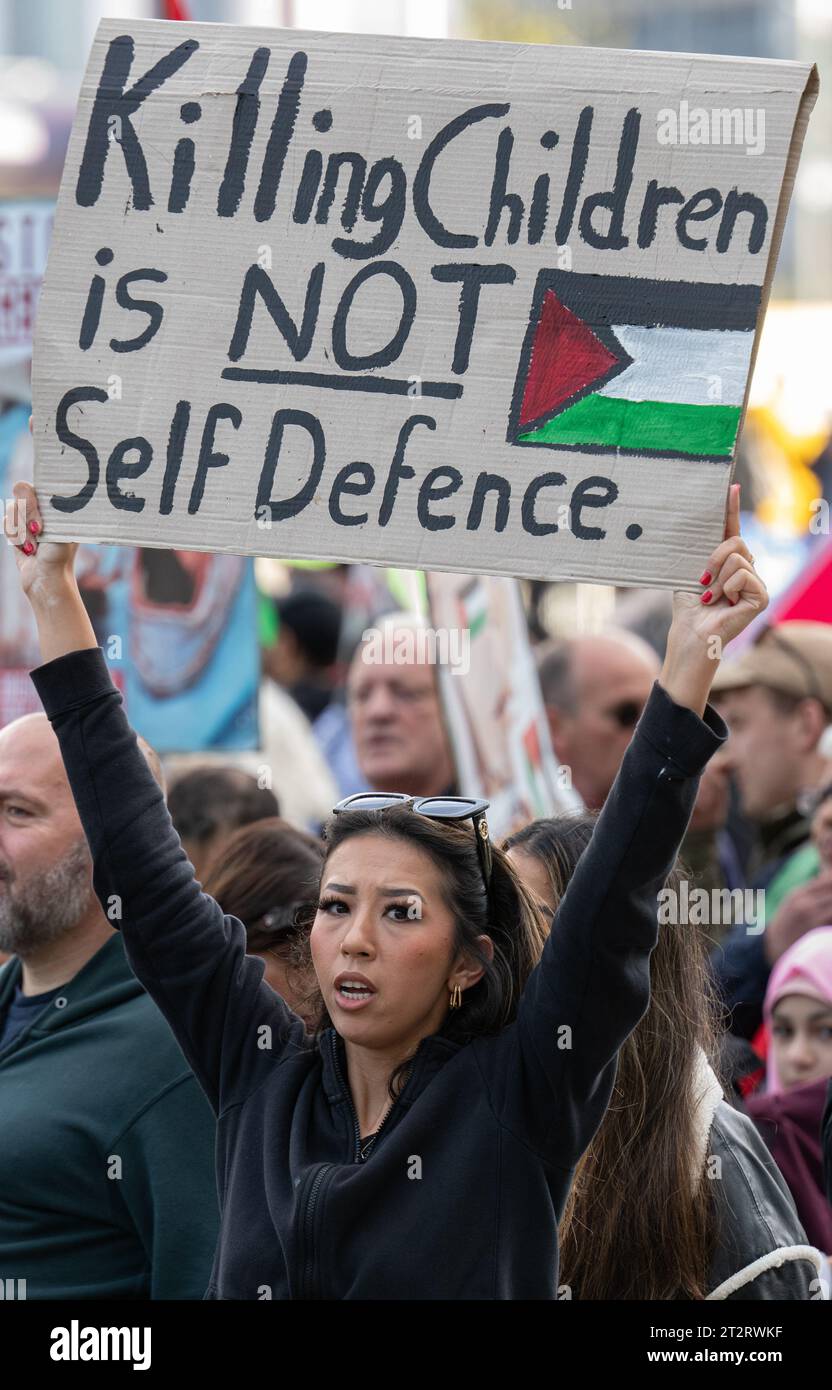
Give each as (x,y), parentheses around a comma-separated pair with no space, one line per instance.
(34,528)
(706,578)
(28,548)
(706,597)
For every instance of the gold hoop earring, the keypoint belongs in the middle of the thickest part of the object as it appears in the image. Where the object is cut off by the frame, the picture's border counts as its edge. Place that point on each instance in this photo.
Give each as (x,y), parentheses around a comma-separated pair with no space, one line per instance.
(456,997)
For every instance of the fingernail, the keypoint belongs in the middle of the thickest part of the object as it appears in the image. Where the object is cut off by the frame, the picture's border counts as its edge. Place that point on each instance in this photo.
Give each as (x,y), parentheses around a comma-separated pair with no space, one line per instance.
(733,601)
(34,527)
(706,597)
(706,578)
(28,548)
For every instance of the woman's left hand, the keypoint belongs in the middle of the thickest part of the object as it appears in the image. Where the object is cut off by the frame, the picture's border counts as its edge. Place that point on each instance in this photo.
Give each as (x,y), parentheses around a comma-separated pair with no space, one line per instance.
(704,624)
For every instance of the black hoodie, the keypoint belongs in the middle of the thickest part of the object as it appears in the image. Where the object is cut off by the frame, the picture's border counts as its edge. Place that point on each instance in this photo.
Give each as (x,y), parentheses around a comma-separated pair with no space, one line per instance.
(461,1194)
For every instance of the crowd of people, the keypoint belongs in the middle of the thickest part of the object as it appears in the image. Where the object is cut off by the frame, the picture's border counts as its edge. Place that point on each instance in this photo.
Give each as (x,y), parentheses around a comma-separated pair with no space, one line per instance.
(311,1034)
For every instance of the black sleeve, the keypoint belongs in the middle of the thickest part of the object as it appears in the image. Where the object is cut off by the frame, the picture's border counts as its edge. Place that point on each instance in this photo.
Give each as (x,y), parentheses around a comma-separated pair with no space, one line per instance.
(192,960)
(551,1080)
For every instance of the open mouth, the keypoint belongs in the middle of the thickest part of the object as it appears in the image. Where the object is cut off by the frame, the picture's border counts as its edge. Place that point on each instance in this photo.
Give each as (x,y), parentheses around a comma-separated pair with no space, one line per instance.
(350,993)
(180,602)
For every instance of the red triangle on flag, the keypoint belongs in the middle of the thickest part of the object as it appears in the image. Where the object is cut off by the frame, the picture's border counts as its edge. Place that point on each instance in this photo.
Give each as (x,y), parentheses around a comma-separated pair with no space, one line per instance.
(809,597)
(531,743)
(566,359)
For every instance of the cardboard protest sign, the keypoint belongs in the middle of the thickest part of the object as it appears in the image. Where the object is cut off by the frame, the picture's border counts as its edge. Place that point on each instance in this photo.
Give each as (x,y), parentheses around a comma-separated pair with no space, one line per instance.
(438,304)
(492,702)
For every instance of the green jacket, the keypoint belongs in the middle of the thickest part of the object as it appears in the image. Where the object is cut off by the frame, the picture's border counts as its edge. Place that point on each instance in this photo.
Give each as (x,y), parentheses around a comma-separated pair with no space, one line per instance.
(107,1184)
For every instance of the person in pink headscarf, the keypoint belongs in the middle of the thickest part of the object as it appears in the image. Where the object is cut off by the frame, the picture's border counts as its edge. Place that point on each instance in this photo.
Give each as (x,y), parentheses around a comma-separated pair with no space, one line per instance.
(798,1014)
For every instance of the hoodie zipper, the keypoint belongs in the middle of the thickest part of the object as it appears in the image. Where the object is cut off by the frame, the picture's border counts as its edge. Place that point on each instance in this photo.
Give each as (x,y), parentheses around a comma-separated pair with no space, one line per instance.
(357,1158)
(308,1221)
(309,1226)
(325,1168)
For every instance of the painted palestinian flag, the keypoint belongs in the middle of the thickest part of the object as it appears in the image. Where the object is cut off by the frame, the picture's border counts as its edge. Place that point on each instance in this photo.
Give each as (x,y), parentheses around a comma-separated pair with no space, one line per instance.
(472,606)
(533,767)
(613,363)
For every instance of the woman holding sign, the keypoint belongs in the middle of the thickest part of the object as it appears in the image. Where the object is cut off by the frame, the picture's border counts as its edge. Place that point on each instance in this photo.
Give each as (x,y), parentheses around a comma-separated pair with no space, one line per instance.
(422,1144)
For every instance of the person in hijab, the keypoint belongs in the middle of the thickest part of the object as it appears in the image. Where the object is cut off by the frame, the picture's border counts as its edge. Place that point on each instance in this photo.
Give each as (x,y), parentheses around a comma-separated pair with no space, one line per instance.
(789,1114)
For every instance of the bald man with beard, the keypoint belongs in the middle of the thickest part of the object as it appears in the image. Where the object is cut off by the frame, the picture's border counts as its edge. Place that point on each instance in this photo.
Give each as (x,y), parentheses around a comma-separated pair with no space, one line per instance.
(107,1186)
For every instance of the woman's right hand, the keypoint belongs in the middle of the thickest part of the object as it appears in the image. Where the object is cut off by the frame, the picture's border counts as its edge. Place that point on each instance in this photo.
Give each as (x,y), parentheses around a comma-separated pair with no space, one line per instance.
(47,575)
(46,567)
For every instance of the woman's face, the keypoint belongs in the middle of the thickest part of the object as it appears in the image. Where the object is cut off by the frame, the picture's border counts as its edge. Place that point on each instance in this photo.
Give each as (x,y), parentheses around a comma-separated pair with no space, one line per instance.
(535,879)
(822,832)
(801,1036)
(383,921)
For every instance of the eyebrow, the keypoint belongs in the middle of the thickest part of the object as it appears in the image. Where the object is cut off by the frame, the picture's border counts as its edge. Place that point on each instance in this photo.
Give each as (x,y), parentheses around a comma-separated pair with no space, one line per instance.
(382,892)
(12,794)
(811,1018)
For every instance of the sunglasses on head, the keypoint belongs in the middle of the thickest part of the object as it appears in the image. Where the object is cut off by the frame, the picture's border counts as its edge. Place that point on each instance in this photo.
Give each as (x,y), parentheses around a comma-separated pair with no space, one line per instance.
(452,808)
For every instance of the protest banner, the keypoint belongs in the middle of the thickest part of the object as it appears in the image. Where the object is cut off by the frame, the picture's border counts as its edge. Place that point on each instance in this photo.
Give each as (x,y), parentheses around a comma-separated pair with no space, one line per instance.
(25,228)
(438,304)
(177,629)
(492,701)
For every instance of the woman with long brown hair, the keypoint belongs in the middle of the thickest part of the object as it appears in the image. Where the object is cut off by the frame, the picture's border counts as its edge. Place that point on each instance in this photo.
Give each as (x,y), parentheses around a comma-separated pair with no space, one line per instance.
(676,1196)
(423,1145)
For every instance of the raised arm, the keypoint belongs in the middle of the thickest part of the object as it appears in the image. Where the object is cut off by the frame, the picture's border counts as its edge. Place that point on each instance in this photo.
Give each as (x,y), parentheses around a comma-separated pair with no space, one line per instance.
(189,957)
(553,1078)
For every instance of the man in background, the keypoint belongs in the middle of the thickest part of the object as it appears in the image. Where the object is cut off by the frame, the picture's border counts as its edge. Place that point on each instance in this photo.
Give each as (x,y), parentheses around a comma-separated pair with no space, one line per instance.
(107,1185)
(398,730)
(594,689)
(777,701)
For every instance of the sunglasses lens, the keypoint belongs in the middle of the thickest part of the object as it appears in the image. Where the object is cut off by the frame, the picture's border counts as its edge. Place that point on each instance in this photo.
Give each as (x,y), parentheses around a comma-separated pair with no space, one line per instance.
(372,801)
(627,714)
(448,806)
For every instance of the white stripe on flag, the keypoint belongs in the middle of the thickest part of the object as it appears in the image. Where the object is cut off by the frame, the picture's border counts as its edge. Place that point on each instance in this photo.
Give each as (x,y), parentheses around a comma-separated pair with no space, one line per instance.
(687,366)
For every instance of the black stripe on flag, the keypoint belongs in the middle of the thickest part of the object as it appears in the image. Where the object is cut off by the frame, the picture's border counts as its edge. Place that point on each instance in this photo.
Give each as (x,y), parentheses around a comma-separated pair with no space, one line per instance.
(605,300)
(602,301)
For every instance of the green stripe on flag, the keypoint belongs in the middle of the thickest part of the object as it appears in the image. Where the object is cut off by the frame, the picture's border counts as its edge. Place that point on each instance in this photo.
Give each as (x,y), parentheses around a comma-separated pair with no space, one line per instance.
(475,606)
(624,424)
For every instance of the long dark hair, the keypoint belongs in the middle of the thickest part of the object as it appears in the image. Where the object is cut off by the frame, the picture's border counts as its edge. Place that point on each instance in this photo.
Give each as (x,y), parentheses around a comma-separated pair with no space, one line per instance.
(507,914)
(638,1222)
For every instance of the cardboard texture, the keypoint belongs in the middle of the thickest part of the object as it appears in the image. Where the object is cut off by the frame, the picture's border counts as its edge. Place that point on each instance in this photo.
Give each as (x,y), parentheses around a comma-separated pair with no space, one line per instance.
(436,304)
